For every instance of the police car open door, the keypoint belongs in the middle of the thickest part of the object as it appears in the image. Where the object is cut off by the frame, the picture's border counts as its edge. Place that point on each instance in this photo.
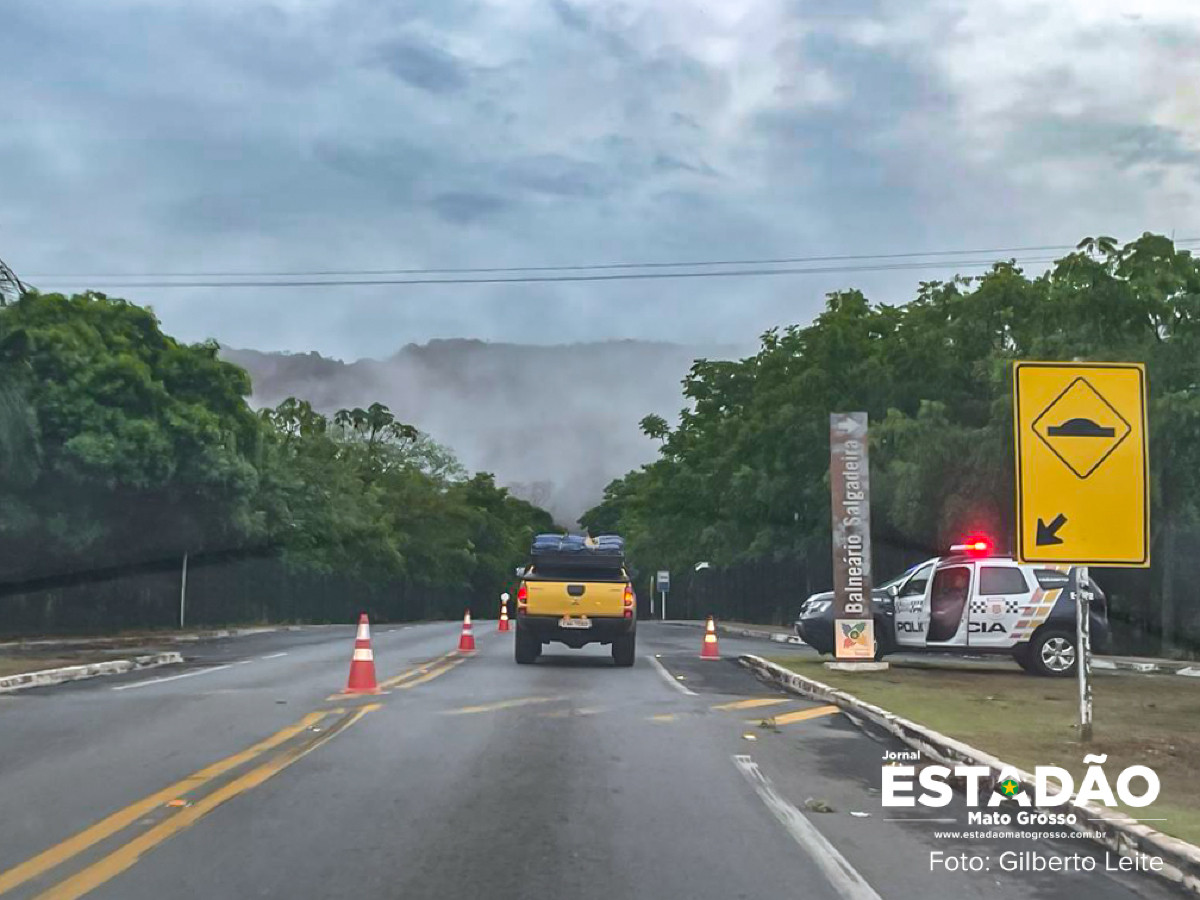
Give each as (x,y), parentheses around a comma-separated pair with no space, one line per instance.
(910,613)
(947,599)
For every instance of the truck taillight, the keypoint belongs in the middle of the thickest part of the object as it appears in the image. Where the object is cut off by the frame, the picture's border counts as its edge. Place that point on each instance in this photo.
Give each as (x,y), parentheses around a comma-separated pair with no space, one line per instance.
(629,601)
(522,598)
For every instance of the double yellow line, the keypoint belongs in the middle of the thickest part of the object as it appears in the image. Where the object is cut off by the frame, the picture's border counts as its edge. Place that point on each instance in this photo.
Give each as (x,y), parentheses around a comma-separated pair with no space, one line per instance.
(425,672)
(125,856)
(175,795)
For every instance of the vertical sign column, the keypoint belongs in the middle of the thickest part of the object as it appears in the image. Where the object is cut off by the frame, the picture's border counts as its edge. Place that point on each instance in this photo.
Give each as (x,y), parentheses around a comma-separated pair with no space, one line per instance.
(850,488)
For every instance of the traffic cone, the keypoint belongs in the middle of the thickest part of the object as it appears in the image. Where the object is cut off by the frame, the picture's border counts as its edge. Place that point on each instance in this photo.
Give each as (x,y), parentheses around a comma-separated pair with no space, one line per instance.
(708,650)
(362,664)
(503,616)
(466,643)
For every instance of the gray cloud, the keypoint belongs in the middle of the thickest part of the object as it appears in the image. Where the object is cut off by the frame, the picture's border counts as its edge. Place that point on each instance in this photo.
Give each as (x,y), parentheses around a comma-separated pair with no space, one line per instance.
(423,65)
(238,135)
(462,207)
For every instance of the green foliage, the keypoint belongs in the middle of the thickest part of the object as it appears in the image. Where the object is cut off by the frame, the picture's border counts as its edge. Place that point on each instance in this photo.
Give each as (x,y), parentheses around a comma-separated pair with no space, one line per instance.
(120,445)
(745,474)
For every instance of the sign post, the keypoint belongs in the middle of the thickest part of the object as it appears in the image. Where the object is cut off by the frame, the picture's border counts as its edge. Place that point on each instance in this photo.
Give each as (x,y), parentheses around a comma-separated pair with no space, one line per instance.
(1083,469)
(663,581)
(1081,588)
(850,490)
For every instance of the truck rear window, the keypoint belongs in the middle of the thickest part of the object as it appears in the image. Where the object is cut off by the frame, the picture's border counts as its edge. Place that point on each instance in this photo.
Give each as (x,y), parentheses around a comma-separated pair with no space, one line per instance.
(576,573)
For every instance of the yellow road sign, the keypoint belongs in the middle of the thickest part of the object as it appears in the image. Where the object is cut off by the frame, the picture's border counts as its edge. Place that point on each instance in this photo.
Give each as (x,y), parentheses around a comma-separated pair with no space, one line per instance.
(1082,463)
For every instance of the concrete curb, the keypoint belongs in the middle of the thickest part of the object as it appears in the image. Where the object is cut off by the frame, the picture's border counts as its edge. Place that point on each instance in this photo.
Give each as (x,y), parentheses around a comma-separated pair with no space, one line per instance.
(148,639)
(1107,663)
(1123,835)
(48,677)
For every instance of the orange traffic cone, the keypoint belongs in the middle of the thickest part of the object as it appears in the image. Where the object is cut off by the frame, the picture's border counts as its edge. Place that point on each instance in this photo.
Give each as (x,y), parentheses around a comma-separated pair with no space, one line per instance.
(362,664)
(466,643)
(708,650)
(503,616)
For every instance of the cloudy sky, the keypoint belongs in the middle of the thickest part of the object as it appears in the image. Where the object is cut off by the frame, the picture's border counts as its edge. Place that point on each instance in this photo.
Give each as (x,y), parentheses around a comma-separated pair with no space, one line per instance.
(300,135)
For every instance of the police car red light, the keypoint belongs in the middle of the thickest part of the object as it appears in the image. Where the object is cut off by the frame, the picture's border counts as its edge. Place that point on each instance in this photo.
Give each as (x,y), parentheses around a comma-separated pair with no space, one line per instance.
(975,546)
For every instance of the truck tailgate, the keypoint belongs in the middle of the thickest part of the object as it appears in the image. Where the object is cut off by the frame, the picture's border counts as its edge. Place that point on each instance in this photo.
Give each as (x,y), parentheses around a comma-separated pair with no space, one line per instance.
(576,598)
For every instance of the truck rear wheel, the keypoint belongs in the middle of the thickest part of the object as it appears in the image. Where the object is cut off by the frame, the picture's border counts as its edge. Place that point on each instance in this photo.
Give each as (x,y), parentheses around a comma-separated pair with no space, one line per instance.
(623,650)
(526,649)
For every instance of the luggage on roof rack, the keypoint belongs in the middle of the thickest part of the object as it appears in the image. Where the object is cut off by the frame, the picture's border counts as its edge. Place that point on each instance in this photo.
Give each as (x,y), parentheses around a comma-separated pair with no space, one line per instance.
(607,550)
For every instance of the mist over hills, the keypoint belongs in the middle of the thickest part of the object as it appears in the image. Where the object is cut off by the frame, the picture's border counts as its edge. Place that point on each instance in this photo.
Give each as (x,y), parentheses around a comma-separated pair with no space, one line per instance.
(555,423)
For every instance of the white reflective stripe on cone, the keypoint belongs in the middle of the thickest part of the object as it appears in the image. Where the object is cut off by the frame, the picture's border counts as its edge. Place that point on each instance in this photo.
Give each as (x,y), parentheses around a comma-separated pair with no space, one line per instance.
(364,632)
(363,655)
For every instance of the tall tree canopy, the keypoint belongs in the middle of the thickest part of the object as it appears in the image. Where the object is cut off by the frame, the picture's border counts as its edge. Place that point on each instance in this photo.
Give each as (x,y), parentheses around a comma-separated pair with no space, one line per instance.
(745,473)
(120,446)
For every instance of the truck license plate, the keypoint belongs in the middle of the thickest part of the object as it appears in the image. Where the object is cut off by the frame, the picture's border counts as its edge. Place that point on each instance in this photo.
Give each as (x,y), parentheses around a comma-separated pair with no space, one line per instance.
(580,622)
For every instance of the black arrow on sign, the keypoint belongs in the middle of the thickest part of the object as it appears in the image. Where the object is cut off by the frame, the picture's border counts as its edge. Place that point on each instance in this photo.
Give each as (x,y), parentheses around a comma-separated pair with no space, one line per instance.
(1048,534)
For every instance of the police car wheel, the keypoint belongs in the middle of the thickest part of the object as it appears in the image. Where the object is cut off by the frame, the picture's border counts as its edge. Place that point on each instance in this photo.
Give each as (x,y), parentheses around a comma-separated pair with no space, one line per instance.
(1053,653)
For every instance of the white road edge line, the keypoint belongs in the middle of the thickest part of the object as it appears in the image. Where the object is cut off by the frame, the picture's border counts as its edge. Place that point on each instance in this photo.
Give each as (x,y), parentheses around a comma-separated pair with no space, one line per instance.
(273,655)
(669,678)
(843,876)
(138,684)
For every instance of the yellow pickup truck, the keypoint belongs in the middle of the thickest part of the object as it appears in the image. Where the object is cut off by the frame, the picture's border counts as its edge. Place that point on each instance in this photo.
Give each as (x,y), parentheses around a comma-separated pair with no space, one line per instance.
(576,591)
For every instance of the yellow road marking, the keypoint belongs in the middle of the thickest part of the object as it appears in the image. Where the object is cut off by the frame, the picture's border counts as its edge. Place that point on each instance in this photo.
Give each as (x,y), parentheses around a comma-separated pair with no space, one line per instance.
(665,717)
(753,702)
(803,714)
(503,704)
(572,713)
(126,856)
(72,846)
(416,670)
(432,674)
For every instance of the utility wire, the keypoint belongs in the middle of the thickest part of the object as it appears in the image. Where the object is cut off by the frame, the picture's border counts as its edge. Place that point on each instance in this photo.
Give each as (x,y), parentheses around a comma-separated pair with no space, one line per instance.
(782,260)
(535,279)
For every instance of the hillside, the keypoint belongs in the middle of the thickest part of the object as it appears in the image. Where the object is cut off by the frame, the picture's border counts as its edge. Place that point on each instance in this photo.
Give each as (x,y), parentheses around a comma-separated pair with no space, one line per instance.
(554,423)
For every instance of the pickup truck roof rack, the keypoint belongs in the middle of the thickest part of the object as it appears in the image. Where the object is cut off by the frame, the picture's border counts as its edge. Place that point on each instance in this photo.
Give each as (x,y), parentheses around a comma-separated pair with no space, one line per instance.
(607,550)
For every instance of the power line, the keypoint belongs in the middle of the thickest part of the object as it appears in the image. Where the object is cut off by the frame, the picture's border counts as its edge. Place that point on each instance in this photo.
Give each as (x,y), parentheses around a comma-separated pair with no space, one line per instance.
(466,270)
(537,279)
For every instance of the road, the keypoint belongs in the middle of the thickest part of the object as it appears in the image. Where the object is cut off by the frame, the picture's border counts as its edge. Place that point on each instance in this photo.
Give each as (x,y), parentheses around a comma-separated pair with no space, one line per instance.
(246,774)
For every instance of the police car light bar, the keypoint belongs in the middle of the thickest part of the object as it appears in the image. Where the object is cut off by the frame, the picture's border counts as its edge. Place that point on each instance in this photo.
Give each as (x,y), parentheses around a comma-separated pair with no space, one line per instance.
(973,547)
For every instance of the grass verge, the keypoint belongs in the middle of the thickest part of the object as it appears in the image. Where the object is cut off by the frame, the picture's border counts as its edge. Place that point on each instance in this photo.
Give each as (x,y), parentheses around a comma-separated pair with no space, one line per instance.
(1151,720)
(19,663)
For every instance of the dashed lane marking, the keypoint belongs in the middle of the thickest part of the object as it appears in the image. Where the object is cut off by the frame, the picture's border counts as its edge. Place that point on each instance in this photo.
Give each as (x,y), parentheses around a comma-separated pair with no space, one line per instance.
(150,681)
(503,704)
(571,713)
(753,703)
(803,715)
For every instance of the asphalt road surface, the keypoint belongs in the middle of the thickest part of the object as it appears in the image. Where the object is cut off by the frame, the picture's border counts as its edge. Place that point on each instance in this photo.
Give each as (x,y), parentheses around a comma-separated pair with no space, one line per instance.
(245,774)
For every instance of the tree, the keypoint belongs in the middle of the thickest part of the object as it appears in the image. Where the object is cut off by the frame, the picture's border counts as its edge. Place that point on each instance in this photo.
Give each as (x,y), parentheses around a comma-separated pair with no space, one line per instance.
(745,474)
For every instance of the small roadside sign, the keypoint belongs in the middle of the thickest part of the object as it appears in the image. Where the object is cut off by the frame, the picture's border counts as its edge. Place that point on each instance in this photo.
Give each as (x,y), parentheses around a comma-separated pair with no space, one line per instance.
(1082,463)
(663,580)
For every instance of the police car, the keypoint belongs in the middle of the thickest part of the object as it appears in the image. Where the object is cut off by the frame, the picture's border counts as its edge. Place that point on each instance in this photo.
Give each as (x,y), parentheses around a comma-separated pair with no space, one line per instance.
(974,601)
